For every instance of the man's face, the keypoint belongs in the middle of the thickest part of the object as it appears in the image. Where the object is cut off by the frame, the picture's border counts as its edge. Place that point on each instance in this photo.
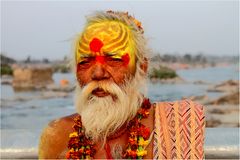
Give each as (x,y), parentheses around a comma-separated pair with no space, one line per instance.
(105,51)
(109,79)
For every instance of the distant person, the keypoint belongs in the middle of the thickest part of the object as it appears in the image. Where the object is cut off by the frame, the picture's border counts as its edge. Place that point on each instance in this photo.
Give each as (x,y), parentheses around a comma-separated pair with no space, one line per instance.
(114,119)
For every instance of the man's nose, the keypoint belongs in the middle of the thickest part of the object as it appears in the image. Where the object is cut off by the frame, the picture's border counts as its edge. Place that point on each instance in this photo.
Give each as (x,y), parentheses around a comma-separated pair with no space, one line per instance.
(99,72)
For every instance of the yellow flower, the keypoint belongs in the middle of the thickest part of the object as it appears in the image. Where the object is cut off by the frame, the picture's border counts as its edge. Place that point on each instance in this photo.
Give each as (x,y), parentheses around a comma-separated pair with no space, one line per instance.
(141,142)
(74,134)
(141,153)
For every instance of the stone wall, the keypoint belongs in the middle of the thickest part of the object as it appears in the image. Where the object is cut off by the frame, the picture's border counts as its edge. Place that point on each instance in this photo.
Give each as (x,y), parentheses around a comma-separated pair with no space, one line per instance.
(31,77)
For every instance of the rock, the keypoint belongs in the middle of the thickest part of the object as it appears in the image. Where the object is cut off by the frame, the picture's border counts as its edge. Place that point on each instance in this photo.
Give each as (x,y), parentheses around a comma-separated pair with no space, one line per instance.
(227,119)
(232,125)
(227,99)
(202,99)
(217,111)
(197,98)
(30,77)
(222,115)
(6,80)
(176,80)
(221,109)
(227,86)
(213,123)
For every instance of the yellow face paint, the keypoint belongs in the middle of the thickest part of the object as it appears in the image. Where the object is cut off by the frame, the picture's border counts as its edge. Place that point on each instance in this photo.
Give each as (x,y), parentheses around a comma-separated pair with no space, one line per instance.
(111,38)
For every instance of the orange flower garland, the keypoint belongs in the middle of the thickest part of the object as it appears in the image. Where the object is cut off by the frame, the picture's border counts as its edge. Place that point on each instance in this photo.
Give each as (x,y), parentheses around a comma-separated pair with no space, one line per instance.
(138,134)
(81,147)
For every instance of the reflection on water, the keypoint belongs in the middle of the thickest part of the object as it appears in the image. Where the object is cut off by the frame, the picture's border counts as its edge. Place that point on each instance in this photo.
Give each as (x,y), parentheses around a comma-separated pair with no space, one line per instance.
(34,113)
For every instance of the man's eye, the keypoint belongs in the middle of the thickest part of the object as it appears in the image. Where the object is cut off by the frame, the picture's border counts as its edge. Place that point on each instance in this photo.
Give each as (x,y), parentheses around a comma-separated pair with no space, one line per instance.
(85,62)
(116,59)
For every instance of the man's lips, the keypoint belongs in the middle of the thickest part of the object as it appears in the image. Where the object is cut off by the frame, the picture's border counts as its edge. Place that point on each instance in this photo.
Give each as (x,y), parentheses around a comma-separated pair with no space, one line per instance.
(100,92)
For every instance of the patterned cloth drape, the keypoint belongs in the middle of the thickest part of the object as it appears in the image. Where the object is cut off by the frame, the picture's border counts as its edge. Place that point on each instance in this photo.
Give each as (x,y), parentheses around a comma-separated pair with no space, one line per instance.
(179,130)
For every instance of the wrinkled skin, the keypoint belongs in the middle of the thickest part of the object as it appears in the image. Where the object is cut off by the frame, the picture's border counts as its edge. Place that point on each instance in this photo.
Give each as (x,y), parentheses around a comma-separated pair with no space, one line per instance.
(111,70)
(96,67)
(54,139)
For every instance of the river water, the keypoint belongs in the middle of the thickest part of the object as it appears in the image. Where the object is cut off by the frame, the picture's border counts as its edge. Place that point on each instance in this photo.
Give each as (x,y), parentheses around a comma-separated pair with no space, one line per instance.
(22,120)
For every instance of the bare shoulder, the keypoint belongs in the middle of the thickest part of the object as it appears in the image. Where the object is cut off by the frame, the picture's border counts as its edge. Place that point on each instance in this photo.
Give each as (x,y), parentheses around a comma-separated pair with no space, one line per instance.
(54,138)
(58,123)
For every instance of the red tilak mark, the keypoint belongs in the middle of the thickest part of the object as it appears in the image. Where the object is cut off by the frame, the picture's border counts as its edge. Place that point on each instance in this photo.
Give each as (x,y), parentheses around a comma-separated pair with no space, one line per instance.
(100,59)
(95,45)
(125,59)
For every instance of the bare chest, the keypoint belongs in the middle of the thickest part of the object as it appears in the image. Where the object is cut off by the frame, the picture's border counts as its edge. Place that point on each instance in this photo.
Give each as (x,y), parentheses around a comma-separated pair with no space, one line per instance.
(114,149)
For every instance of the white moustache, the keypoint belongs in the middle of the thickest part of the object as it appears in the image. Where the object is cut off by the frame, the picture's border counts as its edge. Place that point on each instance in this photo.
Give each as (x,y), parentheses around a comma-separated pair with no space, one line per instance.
(110,87)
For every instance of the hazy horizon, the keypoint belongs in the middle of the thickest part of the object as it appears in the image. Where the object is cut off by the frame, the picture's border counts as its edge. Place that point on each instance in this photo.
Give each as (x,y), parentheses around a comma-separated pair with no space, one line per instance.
(47,29)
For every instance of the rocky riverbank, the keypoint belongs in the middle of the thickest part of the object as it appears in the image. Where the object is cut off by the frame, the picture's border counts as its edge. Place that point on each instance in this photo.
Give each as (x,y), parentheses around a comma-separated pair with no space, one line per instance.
(224,110)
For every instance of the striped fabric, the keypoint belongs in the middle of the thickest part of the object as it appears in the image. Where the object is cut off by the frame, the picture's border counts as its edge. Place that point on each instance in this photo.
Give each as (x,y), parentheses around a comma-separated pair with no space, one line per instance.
(179,130)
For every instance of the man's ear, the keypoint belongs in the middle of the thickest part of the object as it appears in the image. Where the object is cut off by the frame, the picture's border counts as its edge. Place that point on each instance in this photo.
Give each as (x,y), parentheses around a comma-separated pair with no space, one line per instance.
(144,65)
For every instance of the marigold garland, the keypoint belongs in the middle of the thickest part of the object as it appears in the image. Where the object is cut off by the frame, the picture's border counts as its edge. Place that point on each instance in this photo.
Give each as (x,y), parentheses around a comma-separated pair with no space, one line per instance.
(138,134)
(81,147)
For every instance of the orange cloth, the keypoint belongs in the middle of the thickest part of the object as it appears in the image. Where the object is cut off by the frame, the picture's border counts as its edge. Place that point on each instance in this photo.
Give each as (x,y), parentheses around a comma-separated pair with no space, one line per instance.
(64,82)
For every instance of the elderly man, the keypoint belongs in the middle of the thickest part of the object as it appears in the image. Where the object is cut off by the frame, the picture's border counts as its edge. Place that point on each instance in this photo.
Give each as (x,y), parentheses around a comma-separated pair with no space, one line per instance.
(114,120)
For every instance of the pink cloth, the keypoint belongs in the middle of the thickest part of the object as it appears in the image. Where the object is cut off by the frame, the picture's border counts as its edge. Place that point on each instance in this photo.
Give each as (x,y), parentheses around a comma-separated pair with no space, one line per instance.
(179,130)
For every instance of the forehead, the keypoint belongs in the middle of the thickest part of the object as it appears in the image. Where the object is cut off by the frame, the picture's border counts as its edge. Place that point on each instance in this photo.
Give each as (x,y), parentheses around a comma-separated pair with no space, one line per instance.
(115,36)
(106,31)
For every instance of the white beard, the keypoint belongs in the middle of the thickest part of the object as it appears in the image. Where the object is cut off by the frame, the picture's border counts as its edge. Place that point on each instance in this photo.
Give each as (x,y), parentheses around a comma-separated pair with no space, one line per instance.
(102,116)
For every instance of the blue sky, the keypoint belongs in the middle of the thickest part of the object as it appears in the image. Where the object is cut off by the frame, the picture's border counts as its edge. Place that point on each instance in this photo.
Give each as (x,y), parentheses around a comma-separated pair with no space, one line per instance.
(46,29)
